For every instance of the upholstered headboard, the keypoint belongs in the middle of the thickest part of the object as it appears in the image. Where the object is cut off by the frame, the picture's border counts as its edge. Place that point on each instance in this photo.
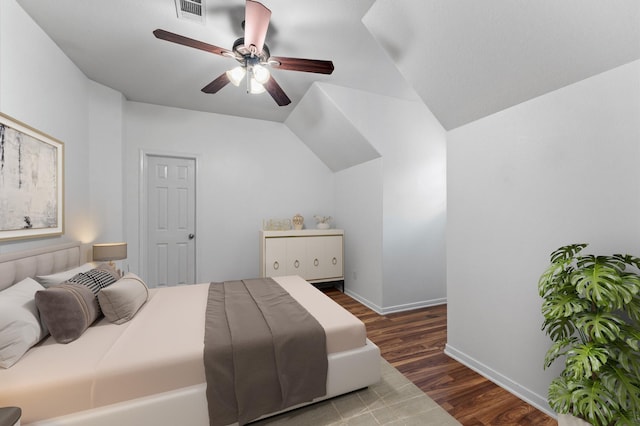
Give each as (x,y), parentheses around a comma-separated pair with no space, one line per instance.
(15,267)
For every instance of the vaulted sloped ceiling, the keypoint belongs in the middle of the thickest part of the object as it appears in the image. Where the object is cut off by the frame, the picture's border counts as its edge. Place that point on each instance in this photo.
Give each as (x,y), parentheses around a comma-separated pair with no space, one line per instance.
(328,133)
(466,59)
(112,43)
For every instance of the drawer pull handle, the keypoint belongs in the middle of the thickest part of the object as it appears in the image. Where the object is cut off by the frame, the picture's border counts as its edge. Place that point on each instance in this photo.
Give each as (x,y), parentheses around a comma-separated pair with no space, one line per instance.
(276,265)
(315,262)
(334,261)
(296,264)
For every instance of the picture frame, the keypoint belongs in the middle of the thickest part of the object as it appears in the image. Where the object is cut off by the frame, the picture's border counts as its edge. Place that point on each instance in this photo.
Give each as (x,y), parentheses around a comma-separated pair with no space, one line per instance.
(31,182)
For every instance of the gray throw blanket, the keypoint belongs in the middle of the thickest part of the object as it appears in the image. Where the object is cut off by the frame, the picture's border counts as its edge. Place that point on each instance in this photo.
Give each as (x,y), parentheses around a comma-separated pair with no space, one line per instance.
(263,352)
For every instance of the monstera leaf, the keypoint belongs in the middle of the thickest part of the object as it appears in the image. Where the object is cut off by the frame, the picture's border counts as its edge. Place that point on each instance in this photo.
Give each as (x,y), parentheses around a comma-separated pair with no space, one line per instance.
(556,275)
(628,260)
(557,350)
(584,361)
(601,327)
(629,286)
(625,387)
(591,309)
(627,418)
(598,281)
(632,309)
(558,328)
(594,402)
(561,395)
(567,253)
(563,306)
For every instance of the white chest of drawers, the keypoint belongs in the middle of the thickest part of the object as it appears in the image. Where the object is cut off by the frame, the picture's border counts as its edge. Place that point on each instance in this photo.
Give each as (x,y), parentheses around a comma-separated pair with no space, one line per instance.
(314,254)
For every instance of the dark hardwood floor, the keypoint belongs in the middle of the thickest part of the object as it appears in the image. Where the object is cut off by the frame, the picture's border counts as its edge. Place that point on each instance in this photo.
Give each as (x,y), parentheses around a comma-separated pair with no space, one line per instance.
(413,342)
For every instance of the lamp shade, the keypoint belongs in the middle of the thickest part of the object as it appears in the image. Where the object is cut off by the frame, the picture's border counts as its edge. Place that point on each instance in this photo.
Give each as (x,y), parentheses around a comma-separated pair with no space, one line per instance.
(109,251)
(236,75)
(260,73)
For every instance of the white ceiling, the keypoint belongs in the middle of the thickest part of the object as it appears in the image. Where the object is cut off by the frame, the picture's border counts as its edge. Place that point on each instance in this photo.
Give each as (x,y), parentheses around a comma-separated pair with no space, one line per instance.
(465,59)
(468,59)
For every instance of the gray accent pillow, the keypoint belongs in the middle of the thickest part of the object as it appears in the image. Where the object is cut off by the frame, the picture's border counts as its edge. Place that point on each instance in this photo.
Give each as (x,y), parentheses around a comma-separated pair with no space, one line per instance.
(122,300)
(67,310)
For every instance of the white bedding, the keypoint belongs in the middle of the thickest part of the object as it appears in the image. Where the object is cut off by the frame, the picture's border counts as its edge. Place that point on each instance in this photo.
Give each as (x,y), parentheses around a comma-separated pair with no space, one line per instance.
(159,350)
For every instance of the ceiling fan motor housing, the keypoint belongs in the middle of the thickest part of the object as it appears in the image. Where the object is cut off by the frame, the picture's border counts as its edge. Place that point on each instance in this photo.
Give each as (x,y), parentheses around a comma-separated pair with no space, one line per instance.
(246,57)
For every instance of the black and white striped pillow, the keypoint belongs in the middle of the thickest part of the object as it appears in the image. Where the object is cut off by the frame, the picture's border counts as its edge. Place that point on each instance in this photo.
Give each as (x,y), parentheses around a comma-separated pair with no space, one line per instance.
(96,279)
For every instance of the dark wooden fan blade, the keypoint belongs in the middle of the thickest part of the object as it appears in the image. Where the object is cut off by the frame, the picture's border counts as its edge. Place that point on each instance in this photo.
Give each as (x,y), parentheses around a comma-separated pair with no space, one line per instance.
(216,84)
(186,41)
(276,92)
(306,65)
(256,24)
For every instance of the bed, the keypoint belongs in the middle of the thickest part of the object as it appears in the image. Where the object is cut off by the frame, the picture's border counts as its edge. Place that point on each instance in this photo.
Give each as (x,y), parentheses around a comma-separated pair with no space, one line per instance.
(132,374)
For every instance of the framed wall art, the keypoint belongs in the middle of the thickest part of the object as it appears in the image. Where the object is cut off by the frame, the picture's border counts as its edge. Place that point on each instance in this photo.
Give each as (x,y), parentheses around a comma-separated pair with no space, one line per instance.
(31,182)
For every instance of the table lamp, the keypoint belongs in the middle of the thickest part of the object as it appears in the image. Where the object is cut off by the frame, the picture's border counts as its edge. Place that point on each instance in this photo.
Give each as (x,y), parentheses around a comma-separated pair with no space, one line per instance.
(109,252)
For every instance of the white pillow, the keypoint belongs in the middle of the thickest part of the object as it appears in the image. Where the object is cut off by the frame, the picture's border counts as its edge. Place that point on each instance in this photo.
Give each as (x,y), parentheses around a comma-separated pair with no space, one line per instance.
(60,277)
(20,326)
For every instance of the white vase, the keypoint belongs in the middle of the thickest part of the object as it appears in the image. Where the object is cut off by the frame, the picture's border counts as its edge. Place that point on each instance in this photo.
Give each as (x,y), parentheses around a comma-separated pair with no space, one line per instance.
(569,420)
(323,225)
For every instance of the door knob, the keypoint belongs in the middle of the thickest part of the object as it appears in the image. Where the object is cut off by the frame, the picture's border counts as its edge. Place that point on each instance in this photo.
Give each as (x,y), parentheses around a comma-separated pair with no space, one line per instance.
(191,236)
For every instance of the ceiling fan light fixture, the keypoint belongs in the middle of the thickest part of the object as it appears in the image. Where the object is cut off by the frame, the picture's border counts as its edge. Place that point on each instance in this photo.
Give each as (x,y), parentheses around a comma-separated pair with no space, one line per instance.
(255,88)
(252,54)
(260,73)
(236,75)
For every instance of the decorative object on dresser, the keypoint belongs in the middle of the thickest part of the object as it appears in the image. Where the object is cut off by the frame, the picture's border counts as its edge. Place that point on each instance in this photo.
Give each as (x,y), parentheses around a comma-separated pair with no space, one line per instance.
(316,255)
(276,224)
(109,252)
(31,182)
(322,222)
(298,222)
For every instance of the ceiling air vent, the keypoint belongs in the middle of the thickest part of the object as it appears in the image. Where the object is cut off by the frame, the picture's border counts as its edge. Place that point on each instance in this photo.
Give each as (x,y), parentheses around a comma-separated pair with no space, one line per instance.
(192,10)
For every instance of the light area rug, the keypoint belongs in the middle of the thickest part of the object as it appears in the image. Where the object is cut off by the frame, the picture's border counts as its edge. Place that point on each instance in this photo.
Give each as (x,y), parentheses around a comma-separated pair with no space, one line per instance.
(394,401)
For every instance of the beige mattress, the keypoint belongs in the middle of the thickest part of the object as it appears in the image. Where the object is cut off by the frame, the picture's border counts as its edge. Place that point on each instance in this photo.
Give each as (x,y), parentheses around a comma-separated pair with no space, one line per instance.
(159,350)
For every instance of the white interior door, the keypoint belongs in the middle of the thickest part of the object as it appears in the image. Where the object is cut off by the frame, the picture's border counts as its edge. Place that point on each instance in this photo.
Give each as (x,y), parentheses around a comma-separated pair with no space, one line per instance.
(170,224)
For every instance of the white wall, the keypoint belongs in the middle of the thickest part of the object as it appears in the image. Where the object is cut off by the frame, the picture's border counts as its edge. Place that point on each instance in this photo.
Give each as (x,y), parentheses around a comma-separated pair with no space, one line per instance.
(411,143)
(41,87)
(247,171)
(358,192)
(105,160)
(559,169)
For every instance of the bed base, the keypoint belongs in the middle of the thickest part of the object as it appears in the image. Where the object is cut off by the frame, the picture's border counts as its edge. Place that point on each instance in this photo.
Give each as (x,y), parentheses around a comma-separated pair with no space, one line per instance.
(348,371)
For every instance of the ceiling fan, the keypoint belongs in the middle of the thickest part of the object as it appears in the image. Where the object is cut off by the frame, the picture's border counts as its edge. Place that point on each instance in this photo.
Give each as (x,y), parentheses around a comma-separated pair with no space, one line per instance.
(253,55)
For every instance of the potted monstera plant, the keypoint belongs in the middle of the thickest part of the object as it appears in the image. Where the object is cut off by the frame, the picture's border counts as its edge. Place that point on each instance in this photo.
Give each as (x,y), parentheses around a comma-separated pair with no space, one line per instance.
(591,309)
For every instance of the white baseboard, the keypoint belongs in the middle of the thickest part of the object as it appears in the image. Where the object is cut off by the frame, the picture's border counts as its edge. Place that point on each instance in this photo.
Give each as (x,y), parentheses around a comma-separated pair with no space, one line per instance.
(377,309)
(530,397)
(397,308)
(414,305)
